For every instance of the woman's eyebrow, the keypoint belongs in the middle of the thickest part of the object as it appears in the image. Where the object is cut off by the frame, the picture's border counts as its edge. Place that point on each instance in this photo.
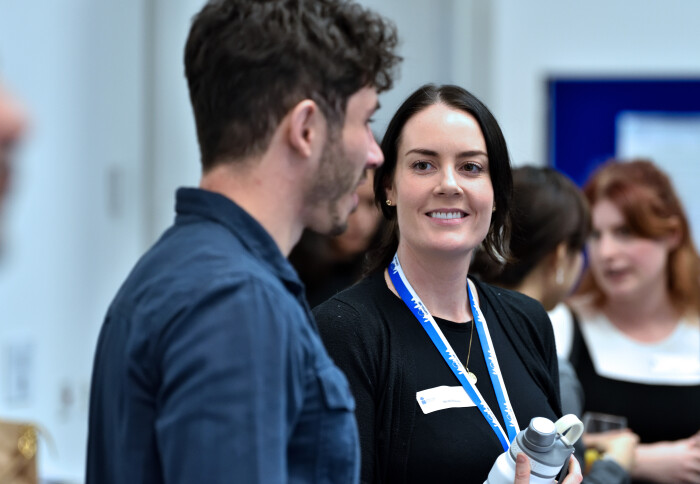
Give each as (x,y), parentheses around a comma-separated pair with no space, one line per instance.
(463,154)
(422,151)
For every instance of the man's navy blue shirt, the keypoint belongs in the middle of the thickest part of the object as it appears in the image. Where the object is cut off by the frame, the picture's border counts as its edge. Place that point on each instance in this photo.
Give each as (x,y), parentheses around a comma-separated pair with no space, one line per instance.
(209,367)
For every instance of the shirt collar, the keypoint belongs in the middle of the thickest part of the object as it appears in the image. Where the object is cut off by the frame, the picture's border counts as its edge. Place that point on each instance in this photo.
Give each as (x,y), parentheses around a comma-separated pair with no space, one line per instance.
(222,210)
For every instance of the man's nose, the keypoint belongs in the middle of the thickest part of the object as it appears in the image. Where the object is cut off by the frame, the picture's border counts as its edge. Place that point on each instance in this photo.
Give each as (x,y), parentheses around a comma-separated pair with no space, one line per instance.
(375,157)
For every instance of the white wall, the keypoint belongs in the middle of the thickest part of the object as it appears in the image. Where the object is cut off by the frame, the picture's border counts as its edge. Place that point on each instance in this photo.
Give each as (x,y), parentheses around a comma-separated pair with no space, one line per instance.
(441,41)
(539,38)
(173,151)
(113,137)
(75,220)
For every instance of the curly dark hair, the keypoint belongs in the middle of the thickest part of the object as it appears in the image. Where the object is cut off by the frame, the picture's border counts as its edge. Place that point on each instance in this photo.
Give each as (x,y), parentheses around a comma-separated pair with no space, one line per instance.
(248,62)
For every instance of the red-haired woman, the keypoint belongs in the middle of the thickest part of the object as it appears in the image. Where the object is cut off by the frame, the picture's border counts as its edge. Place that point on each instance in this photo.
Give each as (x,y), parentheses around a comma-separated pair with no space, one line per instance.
(636,336)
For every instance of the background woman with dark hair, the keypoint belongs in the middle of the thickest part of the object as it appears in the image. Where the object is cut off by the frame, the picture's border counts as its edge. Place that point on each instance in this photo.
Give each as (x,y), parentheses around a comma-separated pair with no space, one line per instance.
(551,222)
(636,338)
(327,264)
(444,369)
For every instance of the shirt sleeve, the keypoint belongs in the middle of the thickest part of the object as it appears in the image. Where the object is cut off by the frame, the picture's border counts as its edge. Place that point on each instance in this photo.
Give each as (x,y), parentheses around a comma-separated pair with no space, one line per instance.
(357,354)
(232,384)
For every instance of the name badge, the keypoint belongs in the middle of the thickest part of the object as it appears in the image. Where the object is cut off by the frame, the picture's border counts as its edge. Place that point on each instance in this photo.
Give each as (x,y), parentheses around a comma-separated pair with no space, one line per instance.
(442,397)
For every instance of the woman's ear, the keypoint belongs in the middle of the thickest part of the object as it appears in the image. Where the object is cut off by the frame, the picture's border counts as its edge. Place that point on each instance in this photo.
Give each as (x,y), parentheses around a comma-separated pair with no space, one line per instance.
(307,126)
(559,262)
(390,194)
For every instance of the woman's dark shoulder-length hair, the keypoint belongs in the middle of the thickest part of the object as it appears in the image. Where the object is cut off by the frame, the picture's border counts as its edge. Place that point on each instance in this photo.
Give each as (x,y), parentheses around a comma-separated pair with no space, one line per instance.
(496,242)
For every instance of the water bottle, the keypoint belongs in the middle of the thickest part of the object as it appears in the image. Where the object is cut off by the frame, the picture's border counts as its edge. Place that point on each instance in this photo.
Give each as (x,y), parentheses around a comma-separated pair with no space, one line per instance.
(547,444)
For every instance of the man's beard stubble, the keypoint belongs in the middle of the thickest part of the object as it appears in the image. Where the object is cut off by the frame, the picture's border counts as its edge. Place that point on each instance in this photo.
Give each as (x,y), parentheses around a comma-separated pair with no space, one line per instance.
(335,180)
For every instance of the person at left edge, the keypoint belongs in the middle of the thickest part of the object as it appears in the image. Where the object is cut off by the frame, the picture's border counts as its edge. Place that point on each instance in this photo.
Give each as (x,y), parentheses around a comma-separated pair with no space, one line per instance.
(209,367)
(12,126)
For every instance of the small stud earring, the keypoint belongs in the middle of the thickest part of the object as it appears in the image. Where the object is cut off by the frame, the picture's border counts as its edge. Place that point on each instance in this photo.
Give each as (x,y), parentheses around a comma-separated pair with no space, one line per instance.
(494,208)
(388,202)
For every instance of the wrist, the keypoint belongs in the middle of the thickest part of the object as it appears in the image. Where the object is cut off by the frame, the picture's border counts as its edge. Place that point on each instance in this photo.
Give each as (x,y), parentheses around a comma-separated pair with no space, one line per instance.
(643,461)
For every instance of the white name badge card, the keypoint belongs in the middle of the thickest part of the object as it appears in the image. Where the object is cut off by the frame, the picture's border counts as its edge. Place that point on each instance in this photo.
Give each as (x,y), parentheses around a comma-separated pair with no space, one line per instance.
(442,397)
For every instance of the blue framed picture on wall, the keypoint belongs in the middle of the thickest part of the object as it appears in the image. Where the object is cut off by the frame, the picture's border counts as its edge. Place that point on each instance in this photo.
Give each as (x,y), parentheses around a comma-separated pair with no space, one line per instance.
(591,120)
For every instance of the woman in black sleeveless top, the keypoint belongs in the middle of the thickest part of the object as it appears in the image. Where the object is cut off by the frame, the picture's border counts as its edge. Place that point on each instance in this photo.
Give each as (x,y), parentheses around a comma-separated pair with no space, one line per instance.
(636,335)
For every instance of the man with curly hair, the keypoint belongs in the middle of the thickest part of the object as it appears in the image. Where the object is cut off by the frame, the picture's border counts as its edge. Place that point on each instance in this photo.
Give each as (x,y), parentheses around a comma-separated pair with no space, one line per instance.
(209,366)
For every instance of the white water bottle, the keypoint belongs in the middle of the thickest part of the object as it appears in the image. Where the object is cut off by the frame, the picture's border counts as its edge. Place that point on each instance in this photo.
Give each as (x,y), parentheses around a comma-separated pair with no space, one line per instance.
(547,444)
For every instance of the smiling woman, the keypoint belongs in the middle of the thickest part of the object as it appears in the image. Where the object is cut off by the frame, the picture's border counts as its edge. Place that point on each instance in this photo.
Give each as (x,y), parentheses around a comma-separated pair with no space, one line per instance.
(444,369)
(441,186)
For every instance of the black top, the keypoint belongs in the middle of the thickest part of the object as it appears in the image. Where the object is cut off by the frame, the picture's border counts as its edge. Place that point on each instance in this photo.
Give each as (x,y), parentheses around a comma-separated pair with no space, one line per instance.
(655,412)
(376,340)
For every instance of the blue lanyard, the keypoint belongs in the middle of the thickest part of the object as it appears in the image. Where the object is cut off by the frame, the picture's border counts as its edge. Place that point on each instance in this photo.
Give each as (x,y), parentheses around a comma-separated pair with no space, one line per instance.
(414,303)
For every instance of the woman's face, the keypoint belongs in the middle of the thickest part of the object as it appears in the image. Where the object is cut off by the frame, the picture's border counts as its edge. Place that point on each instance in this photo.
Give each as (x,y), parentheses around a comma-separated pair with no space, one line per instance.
(441,187)
(626,266)
(363,223)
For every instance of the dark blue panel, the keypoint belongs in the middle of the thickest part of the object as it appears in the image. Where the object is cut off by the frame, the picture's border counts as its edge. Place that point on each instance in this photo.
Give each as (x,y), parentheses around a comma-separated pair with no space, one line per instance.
(582,113)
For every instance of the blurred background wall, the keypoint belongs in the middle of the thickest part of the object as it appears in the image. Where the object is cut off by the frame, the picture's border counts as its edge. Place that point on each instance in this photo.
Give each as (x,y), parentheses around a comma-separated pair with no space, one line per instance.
(112,136)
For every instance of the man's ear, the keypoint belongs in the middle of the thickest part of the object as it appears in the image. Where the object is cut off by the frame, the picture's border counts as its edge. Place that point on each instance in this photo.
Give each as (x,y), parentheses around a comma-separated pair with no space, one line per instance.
(306,128)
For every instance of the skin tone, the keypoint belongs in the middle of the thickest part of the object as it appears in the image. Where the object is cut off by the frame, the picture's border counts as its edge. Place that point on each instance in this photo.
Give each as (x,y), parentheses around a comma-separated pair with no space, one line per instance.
(522,471)
(279,188)
(632,272)
(362,225)
(621,445)
(343,167)
(444,199)
(669,462)
(12,127)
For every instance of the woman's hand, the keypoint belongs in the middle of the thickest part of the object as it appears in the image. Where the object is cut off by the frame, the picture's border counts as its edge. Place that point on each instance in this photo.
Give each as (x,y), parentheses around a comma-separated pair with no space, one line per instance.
(620,445)
(522,471)
(675,462)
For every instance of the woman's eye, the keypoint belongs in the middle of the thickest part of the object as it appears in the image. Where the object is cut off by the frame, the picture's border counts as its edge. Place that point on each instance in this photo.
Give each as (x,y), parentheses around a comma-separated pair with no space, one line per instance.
(421,165)
(623,232)
(472,167)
